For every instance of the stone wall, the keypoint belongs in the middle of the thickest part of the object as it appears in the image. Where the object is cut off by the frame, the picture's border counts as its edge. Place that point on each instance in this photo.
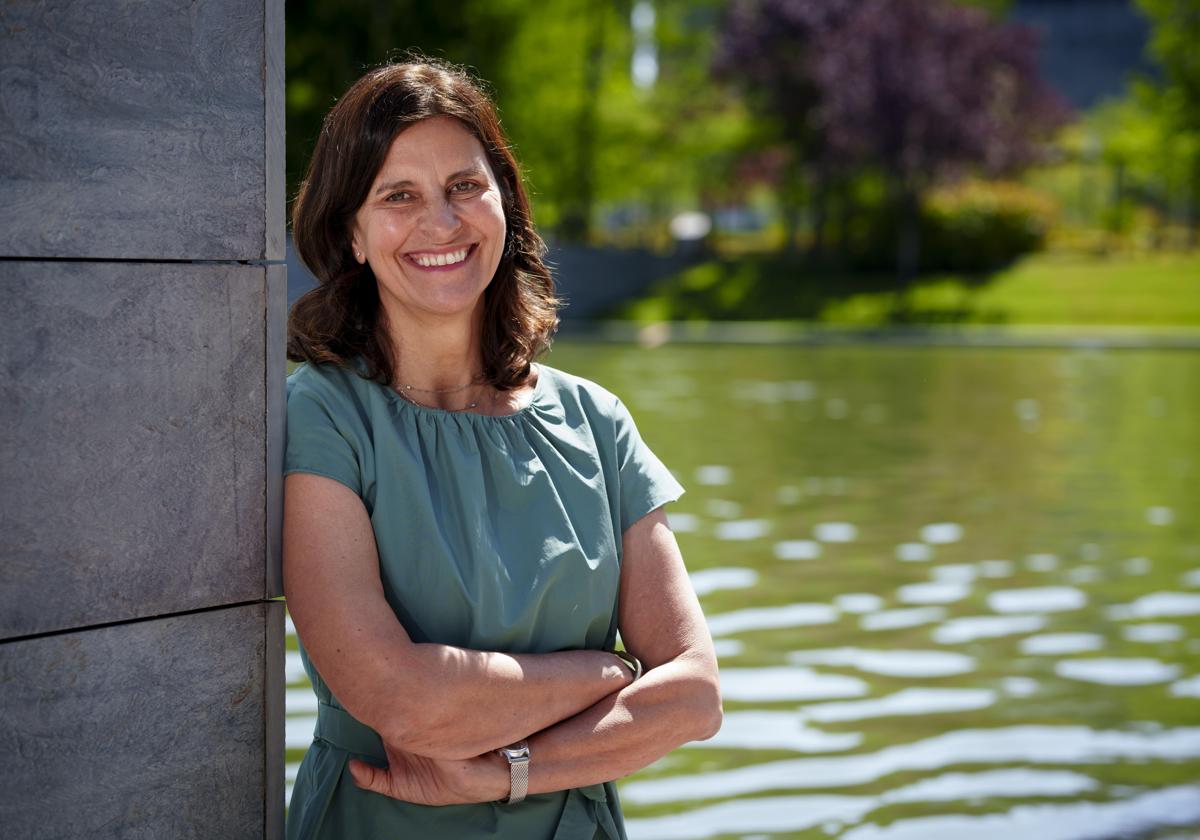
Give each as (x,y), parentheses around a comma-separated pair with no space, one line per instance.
(142,402)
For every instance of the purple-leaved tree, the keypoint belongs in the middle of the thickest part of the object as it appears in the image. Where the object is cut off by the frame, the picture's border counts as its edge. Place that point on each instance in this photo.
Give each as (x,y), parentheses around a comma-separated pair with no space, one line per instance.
(926,90)
(768,49)
(920,89)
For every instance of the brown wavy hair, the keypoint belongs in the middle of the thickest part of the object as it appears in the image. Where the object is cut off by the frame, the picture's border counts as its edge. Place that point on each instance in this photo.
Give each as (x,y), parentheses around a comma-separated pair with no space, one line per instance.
(342,318)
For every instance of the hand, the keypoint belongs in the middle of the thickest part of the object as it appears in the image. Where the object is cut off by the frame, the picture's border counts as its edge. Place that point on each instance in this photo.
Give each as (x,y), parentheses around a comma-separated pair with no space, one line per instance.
(430,781)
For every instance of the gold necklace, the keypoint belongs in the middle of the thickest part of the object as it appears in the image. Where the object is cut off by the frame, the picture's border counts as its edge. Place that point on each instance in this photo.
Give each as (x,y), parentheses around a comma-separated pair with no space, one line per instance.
(436,408)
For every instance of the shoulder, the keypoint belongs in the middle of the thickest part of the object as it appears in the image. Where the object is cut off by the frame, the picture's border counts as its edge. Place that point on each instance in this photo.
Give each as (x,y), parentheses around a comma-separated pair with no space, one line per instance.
(315,390)
(324,382)
(576,392)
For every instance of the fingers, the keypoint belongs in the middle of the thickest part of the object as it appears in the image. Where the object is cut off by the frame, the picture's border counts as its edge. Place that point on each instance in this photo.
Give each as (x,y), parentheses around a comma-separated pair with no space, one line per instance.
(368,777)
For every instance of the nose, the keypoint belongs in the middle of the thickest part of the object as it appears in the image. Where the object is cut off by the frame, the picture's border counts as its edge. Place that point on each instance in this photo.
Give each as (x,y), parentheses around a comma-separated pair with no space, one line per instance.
(440,220)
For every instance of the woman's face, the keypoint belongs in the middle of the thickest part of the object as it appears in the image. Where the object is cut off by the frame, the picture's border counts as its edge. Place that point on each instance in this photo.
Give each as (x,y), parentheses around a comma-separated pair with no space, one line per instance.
(432,225)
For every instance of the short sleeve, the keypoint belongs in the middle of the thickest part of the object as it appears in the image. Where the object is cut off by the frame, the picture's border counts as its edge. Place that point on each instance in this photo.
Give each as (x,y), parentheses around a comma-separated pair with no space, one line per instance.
(646,483)
(314,443)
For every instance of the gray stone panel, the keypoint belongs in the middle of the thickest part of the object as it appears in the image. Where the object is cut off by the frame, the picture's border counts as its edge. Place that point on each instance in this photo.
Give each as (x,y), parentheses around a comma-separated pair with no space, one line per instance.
(276,377)
(133,465)
(141,130)
(154,729)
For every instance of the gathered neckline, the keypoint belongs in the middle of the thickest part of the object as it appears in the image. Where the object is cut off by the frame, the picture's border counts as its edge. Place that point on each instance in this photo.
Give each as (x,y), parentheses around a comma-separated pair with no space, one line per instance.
(534,396)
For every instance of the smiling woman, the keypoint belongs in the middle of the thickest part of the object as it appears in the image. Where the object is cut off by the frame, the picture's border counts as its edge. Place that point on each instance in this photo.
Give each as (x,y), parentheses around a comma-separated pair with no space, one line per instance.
(465,531)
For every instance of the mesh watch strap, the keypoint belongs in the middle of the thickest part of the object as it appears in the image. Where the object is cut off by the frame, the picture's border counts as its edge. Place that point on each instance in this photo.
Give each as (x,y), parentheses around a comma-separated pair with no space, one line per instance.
(518,771)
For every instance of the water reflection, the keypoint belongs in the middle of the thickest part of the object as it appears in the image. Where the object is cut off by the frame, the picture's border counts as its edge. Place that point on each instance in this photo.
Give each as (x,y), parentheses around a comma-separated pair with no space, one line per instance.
(1008,744)
(1178,806)
(1133,671)
(782,683)
(892,663)
(762,618)
(1056,644)
(908,701)
(1037,599)
(972,627)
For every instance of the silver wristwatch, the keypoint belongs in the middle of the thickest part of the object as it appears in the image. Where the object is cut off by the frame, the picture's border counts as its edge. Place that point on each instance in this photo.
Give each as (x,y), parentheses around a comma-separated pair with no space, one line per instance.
(518,768)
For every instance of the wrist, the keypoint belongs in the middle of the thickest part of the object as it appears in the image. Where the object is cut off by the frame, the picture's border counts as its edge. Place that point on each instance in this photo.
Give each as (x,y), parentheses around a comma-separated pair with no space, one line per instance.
(630,664)
(496,779)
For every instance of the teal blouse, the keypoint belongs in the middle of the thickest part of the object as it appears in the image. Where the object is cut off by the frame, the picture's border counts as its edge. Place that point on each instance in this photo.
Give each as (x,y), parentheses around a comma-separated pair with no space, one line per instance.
(494,533)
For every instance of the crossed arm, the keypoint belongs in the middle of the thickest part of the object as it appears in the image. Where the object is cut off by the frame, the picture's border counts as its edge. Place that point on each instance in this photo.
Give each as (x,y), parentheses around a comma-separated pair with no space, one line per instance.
(441,710)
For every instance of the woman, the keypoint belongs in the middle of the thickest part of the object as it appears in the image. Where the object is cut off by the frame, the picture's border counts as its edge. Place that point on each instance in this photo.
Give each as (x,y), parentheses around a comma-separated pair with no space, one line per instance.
(459,521)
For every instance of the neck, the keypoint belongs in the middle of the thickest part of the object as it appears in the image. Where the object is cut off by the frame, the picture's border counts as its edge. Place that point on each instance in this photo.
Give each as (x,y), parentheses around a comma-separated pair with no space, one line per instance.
(437,353)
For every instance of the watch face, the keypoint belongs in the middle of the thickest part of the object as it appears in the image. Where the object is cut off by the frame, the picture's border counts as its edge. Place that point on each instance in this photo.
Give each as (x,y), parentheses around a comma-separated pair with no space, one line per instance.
(517,752)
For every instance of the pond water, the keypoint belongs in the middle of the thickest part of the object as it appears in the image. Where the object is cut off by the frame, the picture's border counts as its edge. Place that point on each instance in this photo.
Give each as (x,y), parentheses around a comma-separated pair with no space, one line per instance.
(955,591)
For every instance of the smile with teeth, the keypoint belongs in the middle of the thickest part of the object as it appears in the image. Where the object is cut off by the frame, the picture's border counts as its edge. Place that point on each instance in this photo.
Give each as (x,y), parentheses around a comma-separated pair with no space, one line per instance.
(433,260)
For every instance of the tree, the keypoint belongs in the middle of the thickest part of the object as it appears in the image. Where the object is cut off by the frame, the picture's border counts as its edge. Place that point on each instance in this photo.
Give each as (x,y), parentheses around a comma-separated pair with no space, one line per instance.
(927,90)
(769,49)
(1176,32)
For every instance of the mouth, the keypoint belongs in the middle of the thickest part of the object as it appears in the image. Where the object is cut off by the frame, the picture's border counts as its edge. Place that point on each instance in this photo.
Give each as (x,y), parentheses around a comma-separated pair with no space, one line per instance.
(443,259)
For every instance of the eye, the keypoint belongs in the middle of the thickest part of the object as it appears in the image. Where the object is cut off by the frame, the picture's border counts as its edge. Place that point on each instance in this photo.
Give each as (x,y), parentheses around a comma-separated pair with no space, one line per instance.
(399,195)
(464,187)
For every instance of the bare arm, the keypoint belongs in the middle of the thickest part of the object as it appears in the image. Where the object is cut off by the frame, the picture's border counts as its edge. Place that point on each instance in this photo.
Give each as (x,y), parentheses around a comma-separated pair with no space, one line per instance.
(678,700)
(435,700)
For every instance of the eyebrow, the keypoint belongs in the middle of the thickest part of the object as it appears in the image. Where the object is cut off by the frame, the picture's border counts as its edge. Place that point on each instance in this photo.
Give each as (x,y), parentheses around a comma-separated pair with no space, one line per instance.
(473,170)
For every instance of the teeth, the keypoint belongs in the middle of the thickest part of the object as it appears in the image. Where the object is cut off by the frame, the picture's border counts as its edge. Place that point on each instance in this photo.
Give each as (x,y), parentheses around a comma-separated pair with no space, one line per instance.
(431,260)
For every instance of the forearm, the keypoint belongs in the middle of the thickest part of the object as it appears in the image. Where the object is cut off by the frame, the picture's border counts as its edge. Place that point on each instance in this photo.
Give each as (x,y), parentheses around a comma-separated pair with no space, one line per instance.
(677,702)
(449,702)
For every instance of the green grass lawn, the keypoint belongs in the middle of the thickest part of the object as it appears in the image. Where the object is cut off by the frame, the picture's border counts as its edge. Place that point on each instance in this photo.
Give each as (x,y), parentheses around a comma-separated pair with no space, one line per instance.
(1050,289)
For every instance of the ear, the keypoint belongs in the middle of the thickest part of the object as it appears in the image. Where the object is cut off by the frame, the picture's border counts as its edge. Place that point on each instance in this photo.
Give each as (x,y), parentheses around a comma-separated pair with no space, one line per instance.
(356,246)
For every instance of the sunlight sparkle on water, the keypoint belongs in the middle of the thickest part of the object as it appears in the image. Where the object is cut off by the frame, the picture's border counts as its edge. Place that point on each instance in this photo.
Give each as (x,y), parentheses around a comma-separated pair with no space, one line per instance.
(897,619)
(938,592)
(1055,644)
(914,552)
(835,532)
(891,663)
(1037,599)
(1115,671)
(1157,605)
(763,618)
(743,529)
(798,550)
(972,627)
(858,602)
(784,683)
(706,581)
(713,475)
(941,532)
(907,701)
(1152,633)
(1030,744)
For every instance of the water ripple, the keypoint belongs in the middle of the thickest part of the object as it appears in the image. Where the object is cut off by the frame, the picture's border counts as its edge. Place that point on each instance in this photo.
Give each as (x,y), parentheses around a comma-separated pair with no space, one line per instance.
(1177,806)
(891,663)
(1009,744)
(1157,605)
(1113,671)
(777,814)
(1037,599)
(783,683)
(763,618)
(908,701)
(1056,644)
(897,619)
(766,730)
(713,580)
(972,627)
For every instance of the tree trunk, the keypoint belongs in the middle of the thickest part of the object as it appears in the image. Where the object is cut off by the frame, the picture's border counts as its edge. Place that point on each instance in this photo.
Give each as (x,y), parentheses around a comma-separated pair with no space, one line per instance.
(908,227)
(820,210)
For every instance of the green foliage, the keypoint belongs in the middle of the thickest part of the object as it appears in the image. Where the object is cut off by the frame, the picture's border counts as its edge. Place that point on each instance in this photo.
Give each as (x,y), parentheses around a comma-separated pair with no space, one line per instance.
(974,227)
(560,73)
